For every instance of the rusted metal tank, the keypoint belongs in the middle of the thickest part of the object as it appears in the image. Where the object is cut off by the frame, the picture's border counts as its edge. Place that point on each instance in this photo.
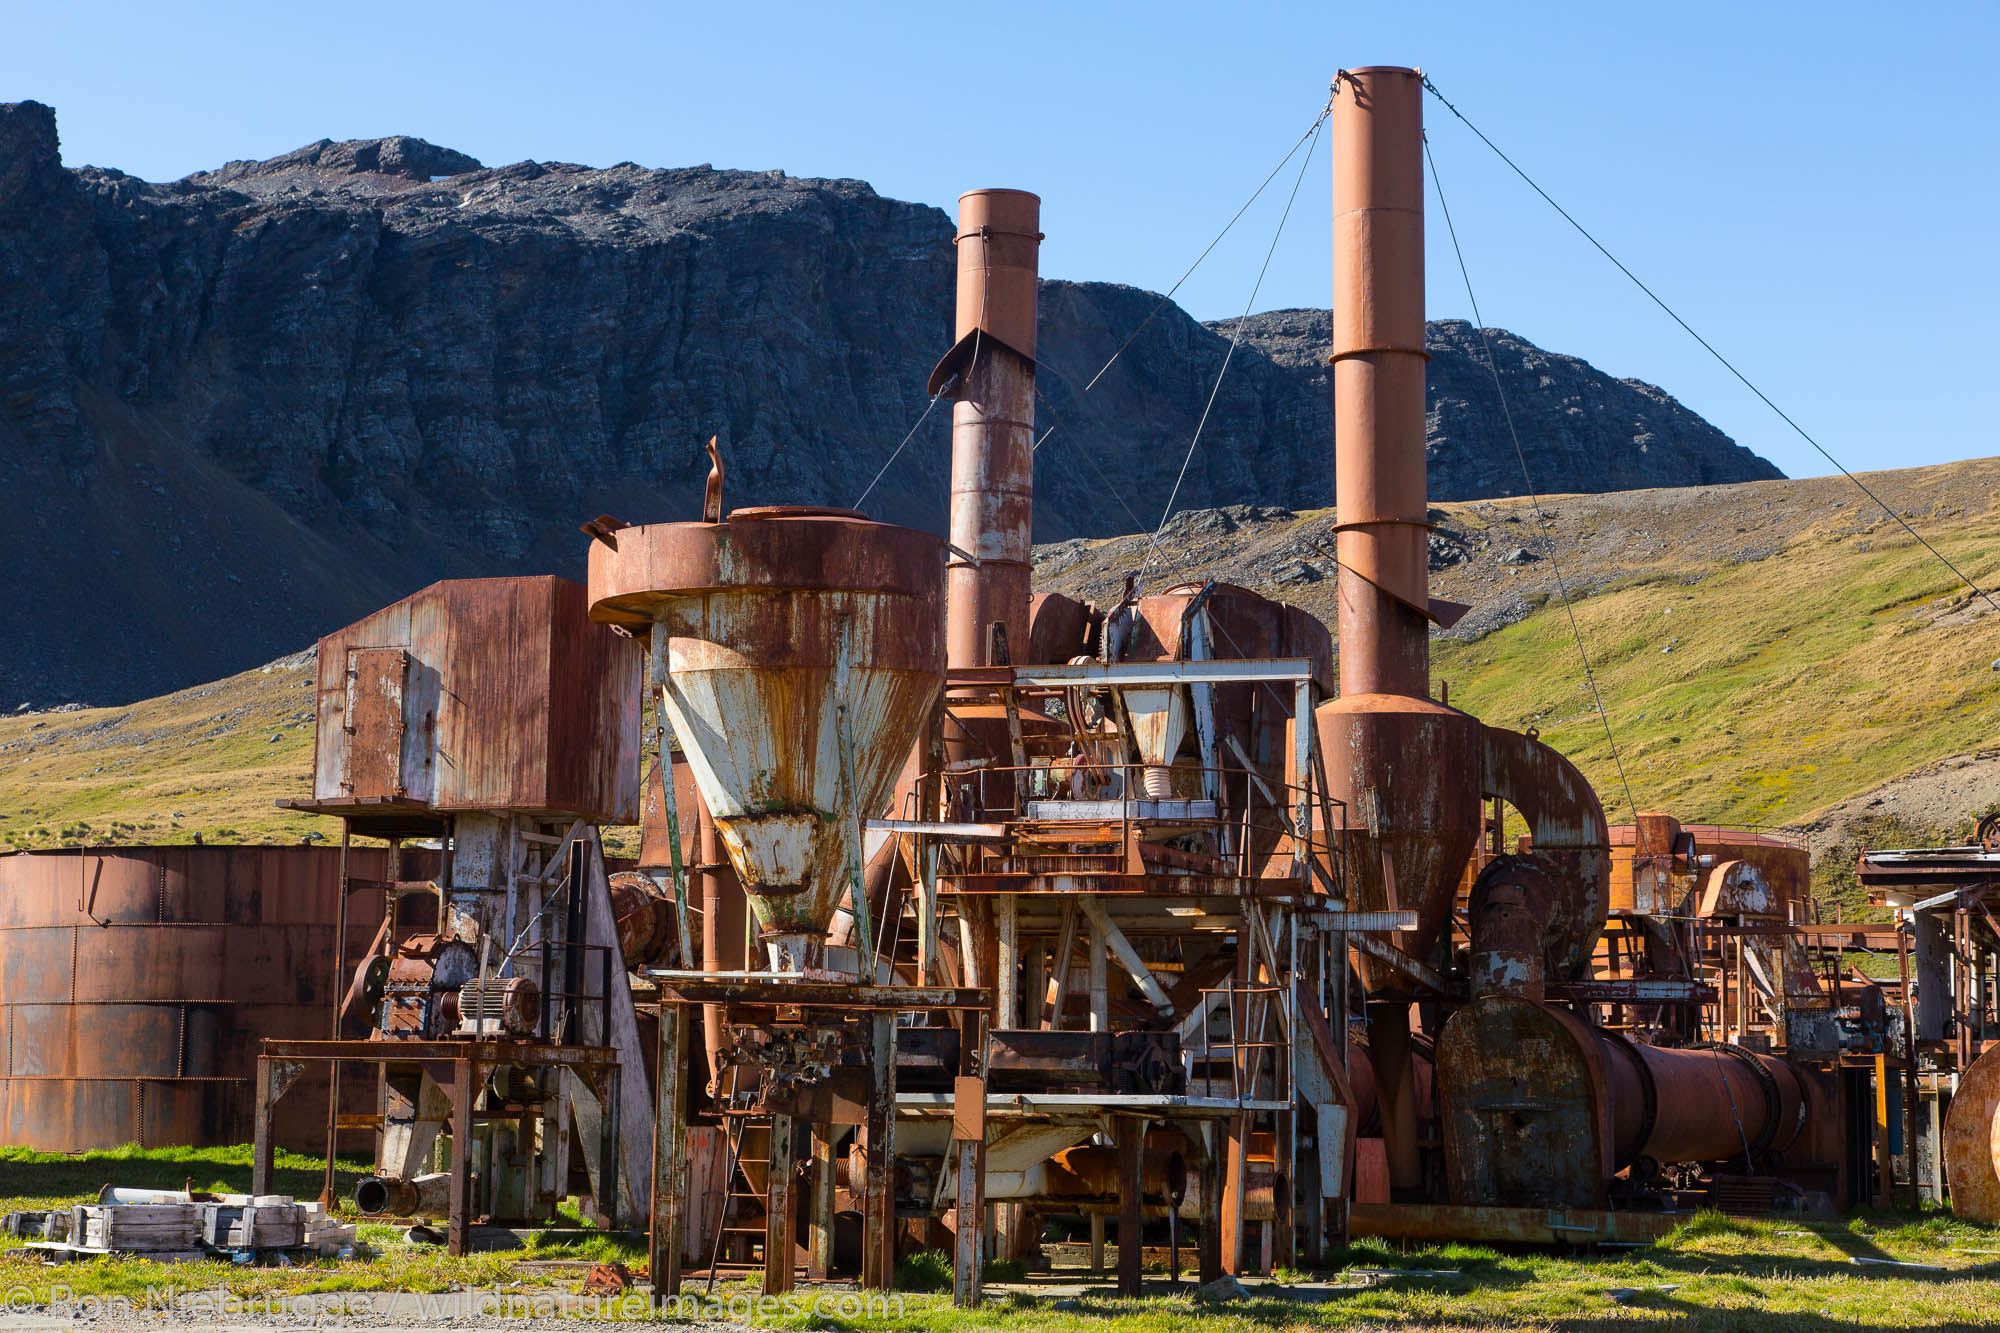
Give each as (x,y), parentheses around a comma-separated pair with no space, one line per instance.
(789,635)
(990,370)
(1972,1141)
(1660,866)
(481,695)
(136,983)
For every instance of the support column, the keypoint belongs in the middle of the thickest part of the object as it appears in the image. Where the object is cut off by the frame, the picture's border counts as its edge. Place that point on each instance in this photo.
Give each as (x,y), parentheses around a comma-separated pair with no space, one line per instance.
(1100,994)
(1208,1261)
(263,1151)
(1097,1244)
(670,1202)
(820,1262)
(464,1088)
(778,1209)
(878,1202)
(968,1132)
(1006,960)
(1233,1178)
(1130,1133)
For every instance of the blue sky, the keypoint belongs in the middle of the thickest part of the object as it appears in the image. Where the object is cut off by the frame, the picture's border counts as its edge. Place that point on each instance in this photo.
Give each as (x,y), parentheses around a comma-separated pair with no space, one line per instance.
(1813,186)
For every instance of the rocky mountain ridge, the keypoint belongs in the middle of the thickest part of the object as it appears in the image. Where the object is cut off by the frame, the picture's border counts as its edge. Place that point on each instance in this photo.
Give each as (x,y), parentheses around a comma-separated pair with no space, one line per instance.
(241,409)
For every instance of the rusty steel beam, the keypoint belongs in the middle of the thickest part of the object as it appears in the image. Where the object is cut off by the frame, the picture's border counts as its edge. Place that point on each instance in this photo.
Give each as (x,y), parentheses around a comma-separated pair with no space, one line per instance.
(1530,1226)
(1637,990)
(494,1052)
(670,1159)
(1129,1132)
(682,989)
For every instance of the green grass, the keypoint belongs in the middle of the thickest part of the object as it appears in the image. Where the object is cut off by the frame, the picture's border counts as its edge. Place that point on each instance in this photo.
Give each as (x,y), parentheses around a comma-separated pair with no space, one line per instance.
(55,1180)
(1791,683)
(1723,1272)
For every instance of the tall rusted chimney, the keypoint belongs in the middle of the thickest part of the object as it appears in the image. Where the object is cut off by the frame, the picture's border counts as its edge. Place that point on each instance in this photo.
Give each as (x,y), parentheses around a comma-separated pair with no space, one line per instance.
(993,425)
(1407,769)
(1378,381)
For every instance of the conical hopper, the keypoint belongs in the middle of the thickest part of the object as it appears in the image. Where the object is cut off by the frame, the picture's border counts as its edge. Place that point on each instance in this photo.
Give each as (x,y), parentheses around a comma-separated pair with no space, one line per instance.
(776,624)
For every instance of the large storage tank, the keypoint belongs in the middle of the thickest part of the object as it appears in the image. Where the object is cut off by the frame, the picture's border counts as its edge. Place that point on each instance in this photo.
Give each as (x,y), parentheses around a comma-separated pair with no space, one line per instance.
(136,982)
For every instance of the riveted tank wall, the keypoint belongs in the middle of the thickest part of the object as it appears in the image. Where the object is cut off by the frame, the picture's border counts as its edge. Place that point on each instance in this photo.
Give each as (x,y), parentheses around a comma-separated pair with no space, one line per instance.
(136,983)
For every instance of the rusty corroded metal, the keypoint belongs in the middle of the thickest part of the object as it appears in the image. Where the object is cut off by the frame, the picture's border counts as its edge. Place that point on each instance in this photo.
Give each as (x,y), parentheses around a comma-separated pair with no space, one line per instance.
(991,373)
(779,627)
(1971,1143)
(1376,128)
(1572,846)
(1508,915)
(479,695)
(1540,1109)
(136,981)
(1529,1226)
(645,916)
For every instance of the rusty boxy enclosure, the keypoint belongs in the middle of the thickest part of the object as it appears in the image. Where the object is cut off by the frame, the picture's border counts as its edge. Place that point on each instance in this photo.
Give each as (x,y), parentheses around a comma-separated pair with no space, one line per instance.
(481,694)
(136,982)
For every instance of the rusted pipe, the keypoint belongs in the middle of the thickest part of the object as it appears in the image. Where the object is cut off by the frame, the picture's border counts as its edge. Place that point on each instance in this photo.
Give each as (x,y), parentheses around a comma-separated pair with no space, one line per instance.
(1092,1172)
(1707,1104)
(1572,846)
(420,1196)
(993,416)
(1508,915)
(1383,537)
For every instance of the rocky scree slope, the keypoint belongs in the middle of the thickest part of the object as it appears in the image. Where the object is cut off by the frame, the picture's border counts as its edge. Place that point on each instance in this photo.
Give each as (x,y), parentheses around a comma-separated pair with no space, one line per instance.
(241,409)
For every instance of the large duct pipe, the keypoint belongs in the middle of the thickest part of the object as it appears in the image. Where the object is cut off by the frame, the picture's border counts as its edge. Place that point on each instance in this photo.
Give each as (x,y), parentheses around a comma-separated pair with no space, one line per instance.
(1709,1104)
(420,1196)
(1508,917)
(993,423)
(1541,1109)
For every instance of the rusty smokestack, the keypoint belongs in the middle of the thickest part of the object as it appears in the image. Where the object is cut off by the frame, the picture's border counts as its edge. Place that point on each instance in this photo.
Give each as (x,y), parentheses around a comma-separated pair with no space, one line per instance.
(993,424)
(1383,539)
(1406,768)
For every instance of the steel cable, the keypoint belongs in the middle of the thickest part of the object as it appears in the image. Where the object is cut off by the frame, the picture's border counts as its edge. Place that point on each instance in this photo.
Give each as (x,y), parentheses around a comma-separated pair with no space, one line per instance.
(1534,498)
(1709,347)
(1235,338)
(1168,296)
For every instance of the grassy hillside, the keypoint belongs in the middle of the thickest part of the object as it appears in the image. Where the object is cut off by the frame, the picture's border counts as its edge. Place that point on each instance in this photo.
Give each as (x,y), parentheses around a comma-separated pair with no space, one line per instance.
(211,760)
(1764,651)
(1757,692)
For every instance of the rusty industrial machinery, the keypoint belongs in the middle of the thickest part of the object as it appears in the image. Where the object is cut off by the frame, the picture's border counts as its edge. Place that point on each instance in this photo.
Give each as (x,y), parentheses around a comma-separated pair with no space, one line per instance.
(1047,910)
(1944,1014)
(969,913)
(491,722)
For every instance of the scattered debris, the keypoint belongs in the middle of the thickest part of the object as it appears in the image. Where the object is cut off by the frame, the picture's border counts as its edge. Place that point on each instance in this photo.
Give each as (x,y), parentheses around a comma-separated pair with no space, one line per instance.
(1224,1288)
(612,1279)
(172,1226)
